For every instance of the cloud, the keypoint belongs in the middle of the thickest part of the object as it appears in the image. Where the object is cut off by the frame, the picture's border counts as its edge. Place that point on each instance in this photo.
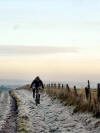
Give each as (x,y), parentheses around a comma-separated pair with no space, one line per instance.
(33,50)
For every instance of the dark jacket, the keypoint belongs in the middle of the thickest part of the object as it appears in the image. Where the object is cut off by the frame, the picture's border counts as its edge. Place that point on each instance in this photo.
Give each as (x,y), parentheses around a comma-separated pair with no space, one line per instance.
(37,83)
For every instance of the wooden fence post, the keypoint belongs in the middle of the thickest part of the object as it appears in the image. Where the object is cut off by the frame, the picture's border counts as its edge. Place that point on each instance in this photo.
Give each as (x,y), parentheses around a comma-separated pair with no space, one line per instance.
(88,92)
(62,86)
(58,86)
(75,91)
(67,87)
(55,85)
(51,85)
(88,84)
(98,92)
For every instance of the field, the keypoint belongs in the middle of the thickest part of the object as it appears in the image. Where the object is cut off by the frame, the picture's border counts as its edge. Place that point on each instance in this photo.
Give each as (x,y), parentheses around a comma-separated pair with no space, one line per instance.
(19,114)
(77,98)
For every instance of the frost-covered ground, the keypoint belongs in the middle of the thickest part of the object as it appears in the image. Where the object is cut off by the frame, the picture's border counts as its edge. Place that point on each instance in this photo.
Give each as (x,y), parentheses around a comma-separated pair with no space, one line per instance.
(52,117)
(4,107)
(48,117)
(8,114)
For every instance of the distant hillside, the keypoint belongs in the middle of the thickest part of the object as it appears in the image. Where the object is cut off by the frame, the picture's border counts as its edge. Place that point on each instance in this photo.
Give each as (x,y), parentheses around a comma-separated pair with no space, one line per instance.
(3,88)
(25,87)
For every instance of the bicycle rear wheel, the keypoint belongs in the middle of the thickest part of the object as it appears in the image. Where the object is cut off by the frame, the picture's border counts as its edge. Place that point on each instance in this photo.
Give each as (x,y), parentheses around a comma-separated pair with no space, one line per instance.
(37,100)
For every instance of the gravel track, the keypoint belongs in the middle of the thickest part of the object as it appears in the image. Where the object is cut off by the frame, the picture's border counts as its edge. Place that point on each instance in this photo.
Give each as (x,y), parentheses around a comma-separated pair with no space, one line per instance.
(8,114)
(4,107)
(48,117)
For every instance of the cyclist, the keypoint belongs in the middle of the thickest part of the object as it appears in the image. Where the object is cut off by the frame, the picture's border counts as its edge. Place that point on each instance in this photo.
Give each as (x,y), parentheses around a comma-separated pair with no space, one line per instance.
(36,84)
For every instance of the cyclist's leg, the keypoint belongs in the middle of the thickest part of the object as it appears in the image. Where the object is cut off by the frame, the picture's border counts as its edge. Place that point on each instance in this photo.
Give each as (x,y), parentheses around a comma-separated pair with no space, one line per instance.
(34,93)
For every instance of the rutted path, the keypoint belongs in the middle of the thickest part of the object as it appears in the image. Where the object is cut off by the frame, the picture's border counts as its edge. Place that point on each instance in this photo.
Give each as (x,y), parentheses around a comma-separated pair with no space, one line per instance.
(8,114)
(48,117)
(4,107)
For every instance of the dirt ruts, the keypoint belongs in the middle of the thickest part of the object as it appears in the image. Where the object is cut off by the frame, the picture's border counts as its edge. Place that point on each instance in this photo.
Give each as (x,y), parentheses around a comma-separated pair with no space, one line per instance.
(48,117)
(10,124)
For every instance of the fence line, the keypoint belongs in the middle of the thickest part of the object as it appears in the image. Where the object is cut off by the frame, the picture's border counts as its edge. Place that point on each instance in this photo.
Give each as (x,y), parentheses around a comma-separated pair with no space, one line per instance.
(87,89)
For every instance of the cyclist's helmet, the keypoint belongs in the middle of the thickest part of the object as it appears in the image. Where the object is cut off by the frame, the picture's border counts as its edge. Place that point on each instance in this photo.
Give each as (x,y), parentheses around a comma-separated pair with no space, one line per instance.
(37,78)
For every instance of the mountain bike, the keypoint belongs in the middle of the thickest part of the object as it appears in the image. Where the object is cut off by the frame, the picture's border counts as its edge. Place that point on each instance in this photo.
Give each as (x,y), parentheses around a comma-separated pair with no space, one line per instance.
(37,96)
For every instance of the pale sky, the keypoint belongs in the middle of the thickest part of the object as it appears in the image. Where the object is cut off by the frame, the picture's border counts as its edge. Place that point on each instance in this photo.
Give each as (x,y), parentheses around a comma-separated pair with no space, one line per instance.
(56,39)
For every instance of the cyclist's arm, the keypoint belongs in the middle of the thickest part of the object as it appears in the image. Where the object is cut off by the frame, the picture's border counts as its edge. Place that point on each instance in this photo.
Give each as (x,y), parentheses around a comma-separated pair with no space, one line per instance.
(42,84)
(32,84)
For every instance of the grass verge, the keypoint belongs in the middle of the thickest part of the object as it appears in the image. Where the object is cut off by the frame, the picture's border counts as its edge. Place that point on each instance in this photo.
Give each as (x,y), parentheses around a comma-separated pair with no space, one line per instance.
(79,101)
(22,118)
